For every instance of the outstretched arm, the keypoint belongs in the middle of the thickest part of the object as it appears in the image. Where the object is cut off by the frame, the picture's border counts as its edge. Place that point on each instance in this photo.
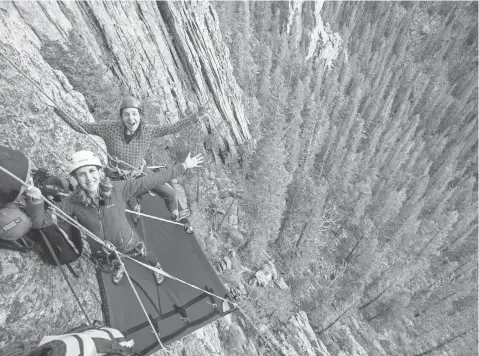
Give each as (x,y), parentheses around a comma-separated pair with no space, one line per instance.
(159,131)
(134,187)
(81,126)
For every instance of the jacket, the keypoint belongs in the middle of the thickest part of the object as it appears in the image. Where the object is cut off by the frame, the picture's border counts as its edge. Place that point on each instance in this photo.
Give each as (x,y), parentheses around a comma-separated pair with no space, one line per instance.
(112,132)
(107,221)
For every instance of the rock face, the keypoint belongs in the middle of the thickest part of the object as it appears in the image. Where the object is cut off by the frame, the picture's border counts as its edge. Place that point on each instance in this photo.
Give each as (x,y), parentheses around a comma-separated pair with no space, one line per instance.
(300,337)
(168,53)
(267,274)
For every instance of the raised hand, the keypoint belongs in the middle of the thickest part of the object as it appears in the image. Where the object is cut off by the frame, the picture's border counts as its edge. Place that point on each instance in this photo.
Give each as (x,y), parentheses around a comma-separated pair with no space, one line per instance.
(193,162)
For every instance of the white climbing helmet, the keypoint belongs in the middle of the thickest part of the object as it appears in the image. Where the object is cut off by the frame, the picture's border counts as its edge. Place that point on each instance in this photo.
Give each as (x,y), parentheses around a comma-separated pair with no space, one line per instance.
(81,159)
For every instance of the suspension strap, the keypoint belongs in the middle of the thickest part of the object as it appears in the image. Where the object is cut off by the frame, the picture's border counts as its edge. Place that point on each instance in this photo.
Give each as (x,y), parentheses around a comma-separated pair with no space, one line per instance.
(153,217)
(45,239)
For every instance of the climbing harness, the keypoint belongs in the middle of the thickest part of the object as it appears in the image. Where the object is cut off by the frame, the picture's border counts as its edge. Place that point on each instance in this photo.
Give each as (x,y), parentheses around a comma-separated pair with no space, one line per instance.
(116,173)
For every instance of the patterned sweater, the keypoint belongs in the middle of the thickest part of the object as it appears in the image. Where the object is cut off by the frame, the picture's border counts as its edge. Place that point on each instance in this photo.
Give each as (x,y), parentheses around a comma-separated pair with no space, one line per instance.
(112,132)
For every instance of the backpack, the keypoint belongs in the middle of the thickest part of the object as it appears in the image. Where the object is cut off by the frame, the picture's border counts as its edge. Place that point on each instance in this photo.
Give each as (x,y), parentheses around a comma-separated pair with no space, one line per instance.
(65,241)
(61,243)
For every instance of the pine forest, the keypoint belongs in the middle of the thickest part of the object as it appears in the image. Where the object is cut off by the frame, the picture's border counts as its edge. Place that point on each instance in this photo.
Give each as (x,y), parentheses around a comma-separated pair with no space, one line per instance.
(361,178)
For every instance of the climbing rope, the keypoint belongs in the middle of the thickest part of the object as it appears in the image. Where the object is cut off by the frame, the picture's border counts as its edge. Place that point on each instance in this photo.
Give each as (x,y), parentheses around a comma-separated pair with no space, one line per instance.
(110,158)
(153,217)
(108,246)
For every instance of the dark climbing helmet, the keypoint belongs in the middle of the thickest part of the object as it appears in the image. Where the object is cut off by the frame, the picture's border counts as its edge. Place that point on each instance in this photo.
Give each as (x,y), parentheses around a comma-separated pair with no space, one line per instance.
(130,102)
(14,223)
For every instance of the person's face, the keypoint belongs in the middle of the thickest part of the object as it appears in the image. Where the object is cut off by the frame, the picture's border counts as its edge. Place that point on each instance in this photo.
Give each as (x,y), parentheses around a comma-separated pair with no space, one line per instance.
(131,118)
(89,178)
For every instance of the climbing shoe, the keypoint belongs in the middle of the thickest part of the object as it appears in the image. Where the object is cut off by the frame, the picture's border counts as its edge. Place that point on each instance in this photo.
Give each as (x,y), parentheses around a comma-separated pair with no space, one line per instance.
(188,227)
(118,271)
(181,215)
(158,276)
(136,216)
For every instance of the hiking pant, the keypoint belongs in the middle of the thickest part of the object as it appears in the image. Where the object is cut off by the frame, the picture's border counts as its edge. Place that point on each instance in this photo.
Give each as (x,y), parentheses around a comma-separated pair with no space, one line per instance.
(165,191)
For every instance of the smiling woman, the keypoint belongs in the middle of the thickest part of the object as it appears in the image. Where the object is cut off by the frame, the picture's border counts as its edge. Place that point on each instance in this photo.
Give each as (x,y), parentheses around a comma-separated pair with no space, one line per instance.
(87,170)
(99,205)
(88,177)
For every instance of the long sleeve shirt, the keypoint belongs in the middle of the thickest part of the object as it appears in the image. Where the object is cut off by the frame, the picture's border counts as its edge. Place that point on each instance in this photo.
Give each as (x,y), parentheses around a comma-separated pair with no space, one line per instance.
(112,132)
(107,221)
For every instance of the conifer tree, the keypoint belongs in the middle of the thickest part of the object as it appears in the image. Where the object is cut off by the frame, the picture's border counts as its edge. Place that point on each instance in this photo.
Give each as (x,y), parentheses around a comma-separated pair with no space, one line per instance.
(264,80)
(294,121)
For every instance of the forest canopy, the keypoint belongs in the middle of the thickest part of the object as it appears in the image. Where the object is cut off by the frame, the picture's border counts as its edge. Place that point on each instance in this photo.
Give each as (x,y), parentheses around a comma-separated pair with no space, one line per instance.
(362,177)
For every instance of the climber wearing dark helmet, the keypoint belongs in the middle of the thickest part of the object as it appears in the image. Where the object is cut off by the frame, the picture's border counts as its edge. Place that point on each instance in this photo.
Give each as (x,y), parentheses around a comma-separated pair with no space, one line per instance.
(99,205)
(128,140)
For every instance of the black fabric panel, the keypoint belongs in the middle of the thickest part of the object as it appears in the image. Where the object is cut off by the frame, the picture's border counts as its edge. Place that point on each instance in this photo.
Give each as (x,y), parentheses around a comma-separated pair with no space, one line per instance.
(181,256)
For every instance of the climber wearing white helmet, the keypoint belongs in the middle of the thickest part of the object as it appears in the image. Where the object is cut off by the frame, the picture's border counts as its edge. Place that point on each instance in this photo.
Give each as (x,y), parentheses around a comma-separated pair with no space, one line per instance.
(99,205)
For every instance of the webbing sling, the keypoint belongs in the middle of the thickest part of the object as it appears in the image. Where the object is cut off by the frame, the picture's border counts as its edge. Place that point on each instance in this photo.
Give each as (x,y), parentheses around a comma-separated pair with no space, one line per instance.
(45,239)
